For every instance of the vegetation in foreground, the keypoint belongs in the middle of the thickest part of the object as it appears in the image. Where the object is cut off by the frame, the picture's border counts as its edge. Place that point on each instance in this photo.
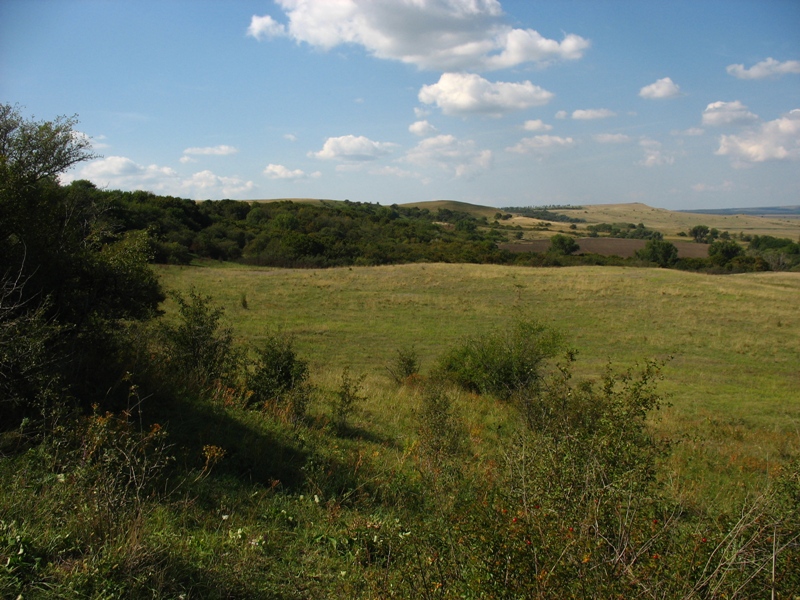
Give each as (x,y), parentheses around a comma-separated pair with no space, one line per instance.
(145,457)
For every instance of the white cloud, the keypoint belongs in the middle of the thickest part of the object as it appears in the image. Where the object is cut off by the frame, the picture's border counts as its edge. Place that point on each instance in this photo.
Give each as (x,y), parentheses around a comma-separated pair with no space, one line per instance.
(206,184)
(442,35)
(562,114)
(541,144)
(352,148)
(663,88)
(123,173)
(611,138)
(422,128)
(653,155)
(464,94)
(536,125)
(280,172)
(773,140)
(766,68)
(290,137)
(264,27)
(727,113)
(592,113)
(397,172)
(212,151)
(461,158)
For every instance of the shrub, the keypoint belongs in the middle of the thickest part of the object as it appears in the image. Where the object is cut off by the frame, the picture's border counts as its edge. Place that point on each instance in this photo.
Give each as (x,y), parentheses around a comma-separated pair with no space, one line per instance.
(278,377)
(563,244)
(405,365)
(198,345)
(501,363)
(346,399)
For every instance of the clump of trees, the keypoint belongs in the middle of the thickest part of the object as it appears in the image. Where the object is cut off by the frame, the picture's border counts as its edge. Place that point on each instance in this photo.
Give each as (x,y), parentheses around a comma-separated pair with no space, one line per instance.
(625,231)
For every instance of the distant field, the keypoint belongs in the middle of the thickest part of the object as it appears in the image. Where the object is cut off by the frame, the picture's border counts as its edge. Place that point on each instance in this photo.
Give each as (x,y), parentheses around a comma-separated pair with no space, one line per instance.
(609,247)
(670,223)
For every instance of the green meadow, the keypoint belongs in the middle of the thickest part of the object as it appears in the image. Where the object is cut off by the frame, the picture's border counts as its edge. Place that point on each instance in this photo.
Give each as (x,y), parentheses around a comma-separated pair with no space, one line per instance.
(731,344)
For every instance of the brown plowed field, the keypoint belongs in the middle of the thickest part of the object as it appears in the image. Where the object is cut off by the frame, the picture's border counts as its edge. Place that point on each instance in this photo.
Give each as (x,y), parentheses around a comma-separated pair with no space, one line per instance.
(609,247)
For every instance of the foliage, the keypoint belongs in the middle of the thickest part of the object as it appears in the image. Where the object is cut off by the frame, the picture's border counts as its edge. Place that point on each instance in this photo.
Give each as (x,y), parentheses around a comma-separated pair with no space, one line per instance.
(661,252)
(279,377)
(198,345)
(501,363)
(625,231)
(405,365)
(563,245)
(346,399)
(545,213)
(69,280)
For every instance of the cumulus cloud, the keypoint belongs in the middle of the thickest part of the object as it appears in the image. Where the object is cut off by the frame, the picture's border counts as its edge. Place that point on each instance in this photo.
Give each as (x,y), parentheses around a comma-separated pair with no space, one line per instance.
(663,88)
(280,172)
(398,172)
(212,151)
(353,148)
(592,113)
(766,68)
(536,125)
(422,128)
(264,27)
(444,35)
(541,144)
(123,173)
(562,114)
(773,140)
(465,94)
(654,156)
(611,138)
(447,152)
(727,113)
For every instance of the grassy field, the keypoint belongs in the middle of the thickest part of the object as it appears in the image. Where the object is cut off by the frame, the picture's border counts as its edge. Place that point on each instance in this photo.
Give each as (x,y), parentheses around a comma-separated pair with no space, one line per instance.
(670,223)
(733,343)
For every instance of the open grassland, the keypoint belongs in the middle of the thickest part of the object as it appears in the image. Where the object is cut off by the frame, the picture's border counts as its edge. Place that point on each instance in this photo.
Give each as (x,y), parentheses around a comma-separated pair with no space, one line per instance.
(670,223)
(733,343)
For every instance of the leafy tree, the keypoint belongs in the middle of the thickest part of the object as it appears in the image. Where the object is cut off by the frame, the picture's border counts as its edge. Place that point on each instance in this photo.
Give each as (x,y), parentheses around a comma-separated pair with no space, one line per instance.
(73,279)
(699,233)
(724,251)
(661,252)
(563,244)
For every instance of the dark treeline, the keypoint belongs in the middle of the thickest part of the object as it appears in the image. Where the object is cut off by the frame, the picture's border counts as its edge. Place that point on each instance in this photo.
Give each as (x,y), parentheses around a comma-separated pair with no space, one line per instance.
(291,234)
(335,234)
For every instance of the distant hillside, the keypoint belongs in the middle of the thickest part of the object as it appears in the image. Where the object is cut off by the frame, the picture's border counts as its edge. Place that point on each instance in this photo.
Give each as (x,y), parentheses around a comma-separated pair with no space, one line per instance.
(671,222)
(475,210)
(763,211)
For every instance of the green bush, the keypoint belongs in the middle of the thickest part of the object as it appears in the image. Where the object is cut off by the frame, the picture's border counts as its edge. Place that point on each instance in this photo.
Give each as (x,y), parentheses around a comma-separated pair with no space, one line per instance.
(278,377)
(405,365)
(501,363)
(346,399)
(198,348)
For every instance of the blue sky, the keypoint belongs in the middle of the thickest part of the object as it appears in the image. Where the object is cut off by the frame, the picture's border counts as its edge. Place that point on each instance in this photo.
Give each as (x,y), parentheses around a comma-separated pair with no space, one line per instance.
(675,104)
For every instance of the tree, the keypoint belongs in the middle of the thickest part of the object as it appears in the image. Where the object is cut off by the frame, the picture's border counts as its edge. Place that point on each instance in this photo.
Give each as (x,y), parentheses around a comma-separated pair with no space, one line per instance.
(33,150)
(563,244)
(699,233)
(724,251)
(661,252)
(74,279)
